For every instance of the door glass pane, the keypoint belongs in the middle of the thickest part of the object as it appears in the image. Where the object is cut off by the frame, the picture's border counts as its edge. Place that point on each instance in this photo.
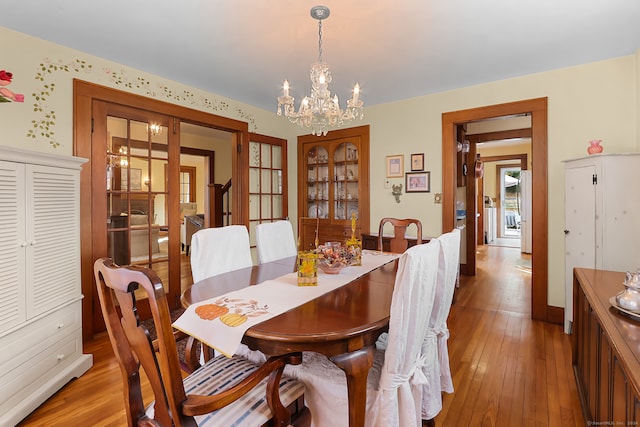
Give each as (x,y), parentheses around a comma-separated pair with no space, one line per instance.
(266,181)
(276,157)
(265,154)
(266,207)
(276,178)
(157,179)
(277,206)
(254,180)
(254,206)
(254,154)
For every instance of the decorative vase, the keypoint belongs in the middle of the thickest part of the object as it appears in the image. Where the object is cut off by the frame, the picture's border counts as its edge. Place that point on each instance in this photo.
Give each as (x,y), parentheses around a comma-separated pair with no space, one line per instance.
(595,147)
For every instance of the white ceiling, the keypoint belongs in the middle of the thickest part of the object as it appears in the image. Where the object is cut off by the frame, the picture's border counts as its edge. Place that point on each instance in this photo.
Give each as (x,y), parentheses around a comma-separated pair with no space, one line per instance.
(244,49)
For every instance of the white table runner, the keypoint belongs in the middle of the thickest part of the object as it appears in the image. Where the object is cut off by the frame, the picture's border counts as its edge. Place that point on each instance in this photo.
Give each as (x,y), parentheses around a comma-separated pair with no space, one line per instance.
(222,321)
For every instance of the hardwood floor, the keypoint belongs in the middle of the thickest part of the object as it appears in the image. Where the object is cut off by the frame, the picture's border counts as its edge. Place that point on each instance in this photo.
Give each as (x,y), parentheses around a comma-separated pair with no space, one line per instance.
(508,370)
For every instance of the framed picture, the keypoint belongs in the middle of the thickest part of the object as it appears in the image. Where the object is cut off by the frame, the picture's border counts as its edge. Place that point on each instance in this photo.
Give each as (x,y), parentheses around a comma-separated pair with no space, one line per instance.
(418,182)
(136,179)
(395,166)
(417,162)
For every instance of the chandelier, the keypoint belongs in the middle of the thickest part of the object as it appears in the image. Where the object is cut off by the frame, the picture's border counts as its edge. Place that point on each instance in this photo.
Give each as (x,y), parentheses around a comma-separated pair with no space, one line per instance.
(154,128)
(319,111)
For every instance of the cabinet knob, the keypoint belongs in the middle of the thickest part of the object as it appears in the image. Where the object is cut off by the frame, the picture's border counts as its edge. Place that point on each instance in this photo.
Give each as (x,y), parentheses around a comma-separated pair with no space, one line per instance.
(60,356)
(23,244)
(60,325)
(566,231)
(32,243)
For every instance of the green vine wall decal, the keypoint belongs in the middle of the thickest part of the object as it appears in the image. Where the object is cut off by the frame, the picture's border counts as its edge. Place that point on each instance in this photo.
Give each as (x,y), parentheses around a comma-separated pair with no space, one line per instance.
(44,126)
(249,118)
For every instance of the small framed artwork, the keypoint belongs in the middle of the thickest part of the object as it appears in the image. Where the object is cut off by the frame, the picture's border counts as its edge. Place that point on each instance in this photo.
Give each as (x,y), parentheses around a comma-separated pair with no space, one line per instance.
(136,179)
(395,166)
(418,182)
(417,162)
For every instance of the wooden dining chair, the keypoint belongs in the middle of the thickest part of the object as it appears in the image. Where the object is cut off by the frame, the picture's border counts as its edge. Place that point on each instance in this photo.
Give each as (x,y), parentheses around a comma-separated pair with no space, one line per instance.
(275,240)
(219,250)
(223,392)
(395,381)
(398,242)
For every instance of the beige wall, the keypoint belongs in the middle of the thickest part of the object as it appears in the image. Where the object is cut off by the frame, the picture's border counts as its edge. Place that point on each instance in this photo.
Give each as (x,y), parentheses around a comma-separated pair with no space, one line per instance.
(598,100)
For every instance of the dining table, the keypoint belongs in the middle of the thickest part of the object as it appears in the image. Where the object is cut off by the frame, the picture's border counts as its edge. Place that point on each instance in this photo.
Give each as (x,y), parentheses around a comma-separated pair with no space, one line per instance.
(343,324)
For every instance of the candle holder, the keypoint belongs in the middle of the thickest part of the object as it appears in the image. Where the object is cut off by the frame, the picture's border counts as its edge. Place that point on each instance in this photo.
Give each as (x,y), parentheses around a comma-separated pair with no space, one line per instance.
(307,268)
(353,244)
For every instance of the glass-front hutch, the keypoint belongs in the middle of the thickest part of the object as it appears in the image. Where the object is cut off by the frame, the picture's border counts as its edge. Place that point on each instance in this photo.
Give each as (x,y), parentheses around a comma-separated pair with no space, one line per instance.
(333,185)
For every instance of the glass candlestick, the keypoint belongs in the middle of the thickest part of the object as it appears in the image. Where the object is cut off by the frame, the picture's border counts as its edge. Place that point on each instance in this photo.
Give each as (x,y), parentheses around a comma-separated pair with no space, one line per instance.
(353,244)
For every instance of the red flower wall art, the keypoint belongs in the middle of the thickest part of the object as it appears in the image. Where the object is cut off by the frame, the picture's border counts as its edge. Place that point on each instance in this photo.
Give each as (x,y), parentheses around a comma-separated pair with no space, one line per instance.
(7,95)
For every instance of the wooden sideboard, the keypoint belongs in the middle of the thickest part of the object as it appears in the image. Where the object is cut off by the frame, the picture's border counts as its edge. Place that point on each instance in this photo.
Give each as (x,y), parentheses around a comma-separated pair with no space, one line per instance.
(606,350)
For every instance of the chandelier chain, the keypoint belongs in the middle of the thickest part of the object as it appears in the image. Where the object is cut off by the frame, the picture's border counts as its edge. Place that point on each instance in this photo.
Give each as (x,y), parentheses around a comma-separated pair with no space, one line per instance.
(319,40)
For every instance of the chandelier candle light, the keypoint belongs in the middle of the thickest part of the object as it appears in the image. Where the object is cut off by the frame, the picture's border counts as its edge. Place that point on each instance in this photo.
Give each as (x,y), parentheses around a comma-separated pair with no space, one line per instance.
(319,111)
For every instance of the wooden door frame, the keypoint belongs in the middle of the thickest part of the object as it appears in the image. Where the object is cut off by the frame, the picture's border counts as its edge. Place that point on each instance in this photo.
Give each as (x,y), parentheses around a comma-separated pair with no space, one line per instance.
(84,93)
(537,108)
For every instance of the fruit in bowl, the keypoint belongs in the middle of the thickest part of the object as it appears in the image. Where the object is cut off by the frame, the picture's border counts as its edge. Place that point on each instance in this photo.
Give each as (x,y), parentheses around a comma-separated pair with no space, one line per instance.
(333,257)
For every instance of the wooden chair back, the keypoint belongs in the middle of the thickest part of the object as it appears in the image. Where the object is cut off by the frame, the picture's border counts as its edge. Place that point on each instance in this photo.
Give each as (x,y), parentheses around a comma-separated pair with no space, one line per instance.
(118,288)
(398,243)
(132,344)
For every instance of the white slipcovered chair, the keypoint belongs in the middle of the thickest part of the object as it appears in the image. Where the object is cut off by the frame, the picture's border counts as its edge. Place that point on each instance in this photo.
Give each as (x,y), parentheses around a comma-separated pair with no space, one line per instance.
(274,240)
(435,347)
(219,250)
(396,379)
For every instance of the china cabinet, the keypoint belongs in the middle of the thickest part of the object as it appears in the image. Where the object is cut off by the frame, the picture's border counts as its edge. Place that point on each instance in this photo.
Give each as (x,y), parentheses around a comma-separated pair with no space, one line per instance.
(333,185)
(40,295)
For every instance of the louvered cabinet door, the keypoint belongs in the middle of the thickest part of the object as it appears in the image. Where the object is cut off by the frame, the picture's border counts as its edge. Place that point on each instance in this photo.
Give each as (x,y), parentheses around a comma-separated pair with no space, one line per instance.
(12,246)
(52,226)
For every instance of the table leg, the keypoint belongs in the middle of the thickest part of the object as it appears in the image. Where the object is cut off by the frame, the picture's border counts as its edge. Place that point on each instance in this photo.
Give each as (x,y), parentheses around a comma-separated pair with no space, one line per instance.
(356,367)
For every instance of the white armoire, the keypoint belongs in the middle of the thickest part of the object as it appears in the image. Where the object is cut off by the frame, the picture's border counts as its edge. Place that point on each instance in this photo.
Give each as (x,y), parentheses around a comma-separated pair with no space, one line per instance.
(40,292)
(602,217)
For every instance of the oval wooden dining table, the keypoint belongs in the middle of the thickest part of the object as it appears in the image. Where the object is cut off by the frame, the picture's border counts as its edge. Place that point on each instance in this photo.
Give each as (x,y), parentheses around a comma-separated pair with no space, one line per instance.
(342,324)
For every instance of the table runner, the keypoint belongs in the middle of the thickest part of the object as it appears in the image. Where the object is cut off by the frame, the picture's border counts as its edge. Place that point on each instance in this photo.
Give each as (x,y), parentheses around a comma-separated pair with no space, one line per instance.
(221,322)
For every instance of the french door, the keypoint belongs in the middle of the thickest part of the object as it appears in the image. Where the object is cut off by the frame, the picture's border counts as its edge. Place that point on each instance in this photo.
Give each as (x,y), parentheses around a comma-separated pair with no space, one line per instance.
(103,116)
(136,171)
(267,181)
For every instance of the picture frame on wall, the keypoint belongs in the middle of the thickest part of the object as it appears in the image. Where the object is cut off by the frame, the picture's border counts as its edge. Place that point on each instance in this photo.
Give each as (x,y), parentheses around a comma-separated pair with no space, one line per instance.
(417,162)
(418,182)
(136,179)
(395,166)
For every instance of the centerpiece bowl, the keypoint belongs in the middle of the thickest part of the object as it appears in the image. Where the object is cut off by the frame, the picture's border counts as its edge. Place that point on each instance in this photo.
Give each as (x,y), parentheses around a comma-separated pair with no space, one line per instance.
(333,257)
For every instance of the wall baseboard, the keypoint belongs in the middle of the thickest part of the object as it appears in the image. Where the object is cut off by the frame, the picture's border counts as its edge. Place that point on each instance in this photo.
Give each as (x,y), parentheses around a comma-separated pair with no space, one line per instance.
(555,314)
